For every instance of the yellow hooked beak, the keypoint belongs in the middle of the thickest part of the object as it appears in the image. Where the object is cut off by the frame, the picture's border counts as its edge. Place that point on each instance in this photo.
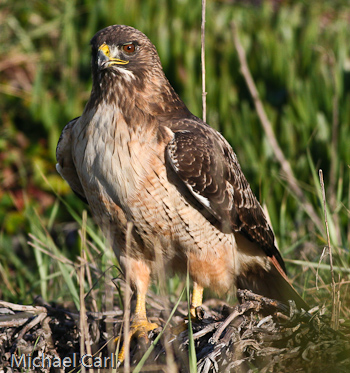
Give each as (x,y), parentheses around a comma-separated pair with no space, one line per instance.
(104,58)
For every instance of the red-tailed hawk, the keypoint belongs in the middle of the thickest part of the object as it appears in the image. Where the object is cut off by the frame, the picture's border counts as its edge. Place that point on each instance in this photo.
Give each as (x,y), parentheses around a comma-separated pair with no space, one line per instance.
(138,155)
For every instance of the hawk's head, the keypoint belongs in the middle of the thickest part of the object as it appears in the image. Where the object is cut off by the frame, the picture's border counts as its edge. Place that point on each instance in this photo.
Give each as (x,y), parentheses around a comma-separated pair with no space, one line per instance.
(125,52)
(126,67)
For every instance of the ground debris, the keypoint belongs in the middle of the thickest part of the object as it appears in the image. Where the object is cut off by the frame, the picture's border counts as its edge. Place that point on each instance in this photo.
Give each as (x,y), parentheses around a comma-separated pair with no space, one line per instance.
(259,334)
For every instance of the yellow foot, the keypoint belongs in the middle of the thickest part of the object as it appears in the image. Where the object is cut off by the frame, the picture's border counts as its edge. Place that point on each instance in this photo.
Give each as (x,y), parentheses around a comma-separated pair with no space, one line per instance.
(139,329)
(197,313)
(196,316)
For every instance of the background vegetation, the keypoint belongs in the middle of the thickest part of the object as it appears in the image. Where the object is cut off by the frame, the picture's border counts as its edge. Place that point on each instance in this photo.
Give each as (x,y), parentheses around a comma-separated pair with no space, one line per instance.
(299,55)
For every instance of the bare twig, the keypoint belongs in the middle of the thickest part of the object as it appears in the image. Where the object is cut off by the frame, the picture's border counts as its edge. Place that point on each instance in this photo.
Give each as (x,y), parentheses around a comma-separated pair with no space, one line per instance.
(248,295)
(12,322)
(23,308)
(37,320)
(239,310)
(204,93)
(286,168)
(333,319)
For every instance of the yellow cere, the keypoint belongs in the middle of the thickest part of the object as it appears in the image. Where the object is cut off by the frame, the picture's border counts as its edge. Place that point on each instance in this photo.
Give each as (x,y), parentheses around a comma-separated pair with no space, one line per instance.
(113,61)
(105,49)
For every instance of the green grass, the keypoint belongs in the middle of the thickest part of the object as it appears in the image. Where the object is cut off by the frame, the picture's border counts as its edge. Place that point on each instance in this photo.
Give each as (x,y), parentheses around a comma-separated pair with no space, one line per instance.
(299,56)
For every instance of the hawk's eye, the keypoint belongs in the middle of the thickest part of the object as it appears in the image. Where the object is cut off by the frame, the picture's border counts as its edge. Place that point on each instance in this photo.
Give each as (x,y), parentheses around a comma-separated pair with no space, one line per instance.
(129,48)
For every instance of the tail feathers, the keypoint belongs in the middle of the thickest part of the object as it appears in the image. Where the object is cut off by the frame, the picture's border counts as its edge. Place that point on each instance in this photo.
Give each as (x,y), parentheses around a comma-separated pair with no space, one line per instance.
(272,284)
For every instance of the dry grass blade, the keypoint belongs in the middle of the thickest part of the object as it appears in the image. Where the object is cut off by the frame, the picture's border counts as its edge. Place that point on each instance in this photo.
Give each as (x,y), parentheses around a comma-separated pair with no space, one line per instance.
(285,165)
(62,259)
(88,270)
(127,296)
(161,275)
(334,311)
(82,314)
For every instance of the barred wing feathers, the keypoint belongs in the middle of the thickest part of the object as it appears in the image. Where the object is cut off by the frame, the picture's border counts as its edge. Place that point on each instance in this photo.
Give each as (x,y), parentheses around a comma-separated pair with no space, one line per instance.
(206,163)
